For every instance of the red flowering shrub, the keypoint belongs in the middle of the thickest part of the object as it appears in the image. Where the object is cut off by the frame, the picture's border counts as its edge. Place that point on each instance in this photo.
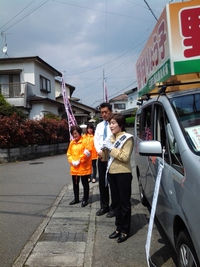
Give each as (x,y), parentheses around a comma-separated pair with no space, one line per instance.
(16,131)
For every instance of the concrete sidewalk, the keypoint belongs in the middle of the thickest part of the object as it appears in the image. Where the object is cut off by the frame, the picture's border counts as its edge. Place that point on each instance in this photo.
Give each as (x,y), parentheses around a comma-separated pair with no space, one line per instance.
(74,236)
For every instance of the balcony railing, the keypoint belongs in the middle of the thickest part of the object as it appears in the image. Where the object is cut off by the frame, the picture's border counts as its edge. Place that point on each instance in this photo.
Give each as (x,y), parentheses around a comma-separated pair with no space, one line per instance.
(11,90)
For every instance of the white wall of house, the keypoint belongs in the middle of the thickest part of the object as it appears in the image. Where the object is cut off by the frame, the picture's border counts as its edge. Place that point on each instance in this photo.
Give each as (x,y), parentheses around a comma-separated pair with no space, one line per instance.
(132,98)
(40,109)
(26,70)
(41,71)
(30,71)
(36,110)
(19,102)
(58,89)
(27,74)
(116,106)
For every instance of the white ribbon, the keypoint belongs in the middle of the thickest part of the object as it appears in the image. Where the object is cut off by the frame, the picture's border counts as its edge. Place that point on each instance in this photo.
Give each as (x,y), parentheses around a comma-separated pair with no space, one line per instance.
(153,208)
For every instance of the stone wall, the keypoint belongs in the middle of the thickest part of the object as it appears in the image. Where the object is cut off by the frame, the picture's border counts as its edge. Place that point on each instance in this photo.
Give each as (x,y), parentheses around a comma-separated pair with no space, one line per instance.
(130,130)
(31,152)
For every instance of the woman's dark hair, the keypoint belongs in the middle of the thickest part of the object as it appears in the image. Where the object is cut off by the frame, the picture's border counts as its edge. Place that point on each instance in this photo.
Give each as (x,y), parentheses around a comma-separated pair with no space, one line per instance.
(90,126)
(76,128)
(119,118)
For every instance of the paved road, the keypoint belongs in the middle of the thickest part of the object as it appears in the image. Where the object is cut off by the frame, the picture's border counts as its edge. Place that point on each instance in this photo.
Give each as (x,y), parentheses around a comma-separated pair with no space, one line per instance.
(27,191)
(75,236)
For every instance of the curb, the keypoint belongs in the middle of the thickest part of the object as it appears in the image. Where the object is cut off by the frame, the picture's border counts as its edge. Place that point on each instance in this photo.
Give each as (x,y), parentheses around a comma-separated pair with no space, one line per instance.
(26,251)
(91,230)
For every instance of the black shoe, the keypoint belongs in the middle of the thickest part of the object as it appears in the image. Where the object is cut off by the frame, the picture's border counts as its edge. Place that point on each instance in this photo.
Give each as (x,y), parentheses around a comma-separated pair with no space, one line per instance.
(110,214)
(74,202)
(114,235)
(84,203)
(102,212)
(122,238)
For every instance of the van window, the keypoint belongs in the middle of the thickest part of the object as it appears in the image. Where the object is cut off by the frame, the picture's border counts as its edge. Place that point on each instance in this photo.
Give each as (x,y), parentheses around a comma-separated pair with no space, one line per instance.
(163,133)
(138,123)
(174,153)
(146,123)
(159,128)
(159,125)
(187,108)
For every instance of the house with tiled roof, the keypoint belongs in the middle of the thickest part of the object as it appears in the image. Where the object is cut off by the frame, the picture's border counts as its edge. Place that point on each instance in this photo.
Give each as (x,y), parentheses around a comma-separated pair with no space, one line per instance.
(119,103)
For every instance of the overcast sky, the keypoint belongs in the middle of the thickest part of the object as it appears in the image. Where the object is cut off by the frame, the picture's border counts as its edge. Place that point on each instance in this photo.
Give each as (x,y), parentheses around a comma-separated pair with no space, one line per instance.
(82,38)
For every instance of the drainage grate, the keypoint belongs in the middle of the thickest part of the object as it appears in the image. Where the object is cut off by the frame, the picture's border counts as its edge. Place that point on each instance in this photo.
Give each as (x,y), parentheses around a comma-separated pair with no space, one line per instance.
(63,237)
(34,163)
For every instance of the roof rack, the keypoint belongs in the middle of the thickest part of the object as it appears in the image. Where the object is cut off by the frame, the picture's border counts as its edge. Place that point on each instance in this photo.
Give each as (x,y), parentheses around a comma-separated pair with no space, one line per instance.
(172,86)
(177,83)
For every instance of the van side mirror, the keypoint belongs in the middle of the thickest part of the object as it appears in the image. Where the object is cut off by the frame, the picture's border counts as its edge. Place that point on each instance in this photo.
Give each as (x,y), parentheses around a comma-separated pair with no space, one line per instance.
(150,148)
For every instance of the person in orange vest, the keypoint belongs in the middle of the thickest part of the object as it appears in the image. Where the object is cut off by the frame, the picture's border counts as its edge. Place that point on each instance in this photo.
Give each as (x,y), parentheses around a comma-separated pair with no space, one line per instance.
(89,135)
(80,158)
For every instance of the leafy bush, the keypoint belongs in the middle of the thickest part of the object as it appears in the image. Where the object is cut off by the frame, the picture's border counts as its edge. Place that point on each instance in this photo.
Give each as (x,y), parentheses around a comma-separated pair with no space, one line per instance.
(3,102)
(130,120)
(52,116)
(16,131)
(8,110)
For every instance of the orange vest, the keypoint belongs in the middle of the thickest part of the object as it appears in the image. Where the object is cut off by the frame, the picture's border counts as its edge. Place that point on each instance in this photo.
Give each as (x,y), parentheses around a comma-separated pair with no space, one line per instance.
(90,141)
(76,152)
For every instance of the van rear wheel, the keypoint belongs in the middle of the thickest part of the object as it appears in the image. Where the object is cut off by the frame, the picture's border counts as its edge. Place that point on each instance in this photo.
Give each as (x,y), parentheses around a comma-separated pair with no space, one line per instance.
(186,255)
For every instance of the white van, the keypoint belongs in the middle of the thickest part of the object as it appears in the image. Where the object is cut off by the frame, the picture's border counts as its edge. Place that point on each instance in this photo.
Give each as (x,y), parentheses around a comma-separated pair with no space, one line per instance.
(172,121)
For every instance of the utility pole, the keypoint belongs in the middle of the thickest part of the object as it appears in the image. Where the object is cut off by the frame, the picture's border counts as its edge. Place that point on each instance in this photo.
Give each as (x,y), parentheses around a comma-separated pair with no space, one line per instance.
(103,86)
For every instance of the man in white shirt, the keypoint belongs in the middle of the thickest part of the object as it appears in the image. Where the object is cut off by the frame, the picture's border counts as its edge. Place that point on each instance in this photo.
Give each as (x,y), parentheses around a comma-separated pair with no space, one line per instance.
(103,131)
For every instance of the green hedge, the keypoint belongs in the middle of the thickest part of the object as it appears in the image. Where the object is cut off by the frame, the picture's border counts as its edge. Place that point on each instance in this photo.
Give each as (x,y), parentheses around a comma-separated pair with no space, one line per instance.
(130,120)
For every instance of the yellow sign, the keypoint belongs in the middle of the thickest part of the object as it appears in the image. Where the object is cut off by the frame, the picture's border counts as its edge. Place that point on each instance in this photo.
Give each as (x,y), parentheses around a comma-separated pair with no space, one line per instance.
(172,53)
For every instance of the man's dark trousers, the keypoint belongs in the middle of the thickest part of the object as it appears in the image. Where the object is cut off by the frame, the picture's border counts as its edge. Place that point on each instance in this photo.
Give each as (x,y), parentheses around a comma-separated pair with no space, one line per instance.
(104,190)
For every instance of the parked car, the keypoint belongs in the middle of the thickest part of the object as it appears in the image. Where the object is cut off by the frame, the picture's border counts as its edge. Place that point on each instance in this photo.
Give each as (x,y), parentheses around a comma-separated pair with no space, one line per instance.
(172,121)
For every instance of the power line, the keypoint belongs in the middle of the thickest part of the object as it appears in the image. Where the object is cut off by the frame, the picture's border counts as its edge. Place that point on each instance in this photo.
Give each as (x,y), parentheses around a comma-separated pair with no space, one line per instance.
(109,12)
(17,15)
(122,66)
(114,59)
(114,69)
(124,88)
(150,9)
(110,61)
(20,19)
(113,95)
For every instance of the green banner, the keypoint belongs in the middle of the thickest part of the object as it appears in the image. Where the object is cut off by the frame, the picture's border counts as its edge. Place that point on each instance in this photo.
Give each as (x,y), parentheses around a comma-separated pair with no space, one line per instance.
(161,75)
(185,67)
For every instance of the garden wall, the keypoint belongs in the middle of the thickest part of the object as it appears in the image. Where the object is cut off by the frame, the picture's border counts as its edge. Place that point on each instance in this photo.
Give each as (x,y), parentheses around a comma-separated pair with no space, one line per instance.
(36,151)
(31,152)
